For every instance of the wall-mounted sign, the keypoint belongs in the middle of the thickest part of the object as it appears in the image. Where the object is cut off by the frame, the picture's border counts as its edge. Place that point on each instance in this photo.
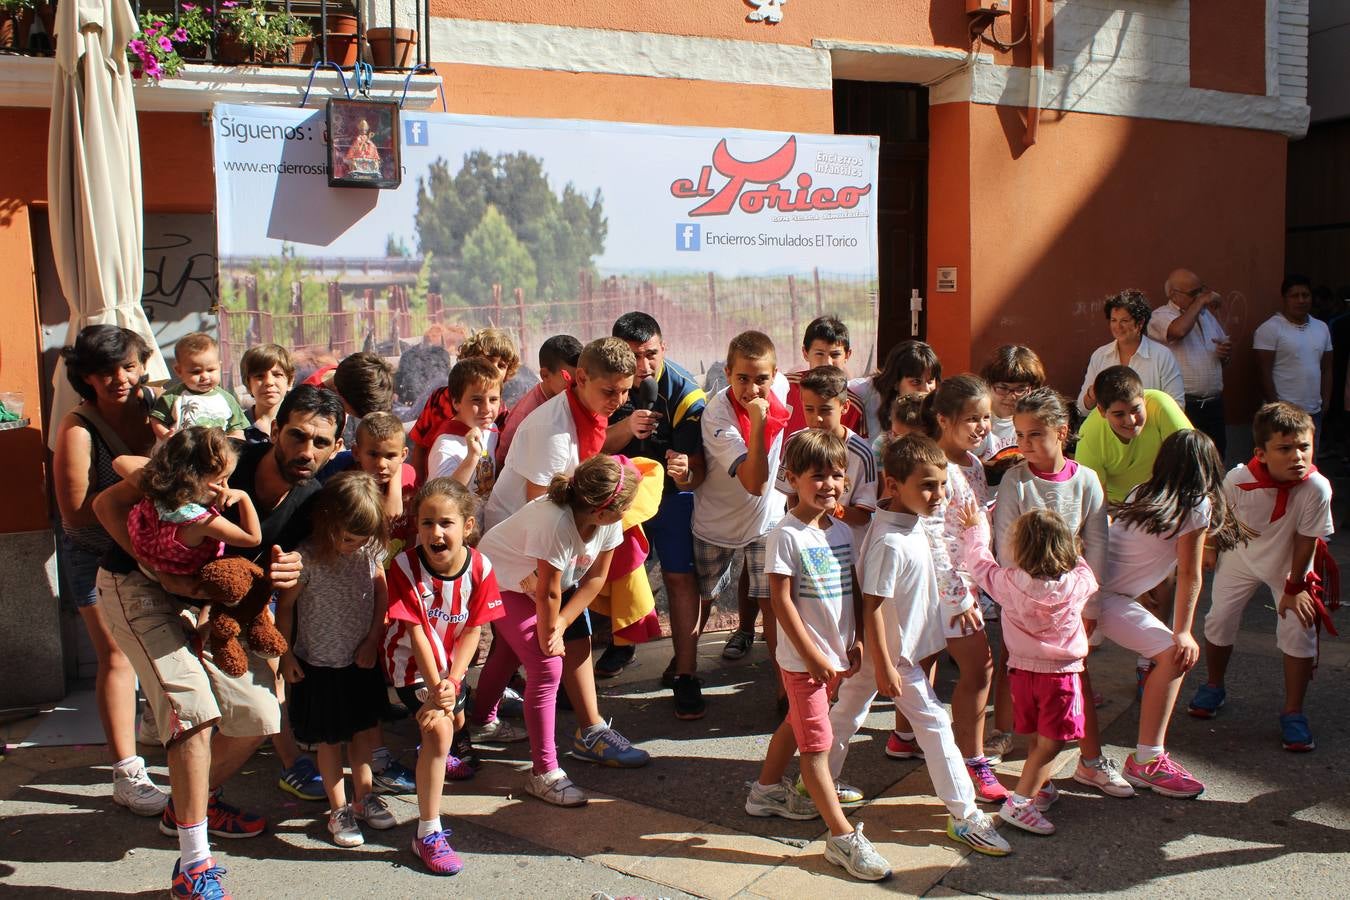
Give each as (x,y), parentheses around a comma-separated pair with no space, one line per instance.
(946,279)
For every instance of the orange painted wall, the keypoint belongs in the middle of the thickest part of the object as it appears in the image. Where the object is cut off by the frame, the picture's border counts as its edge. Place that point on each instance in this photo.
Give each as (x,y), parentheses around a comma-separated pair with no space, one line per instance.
(493,91)
(176,171)
(942,22)
(1099,204)
(1228,46)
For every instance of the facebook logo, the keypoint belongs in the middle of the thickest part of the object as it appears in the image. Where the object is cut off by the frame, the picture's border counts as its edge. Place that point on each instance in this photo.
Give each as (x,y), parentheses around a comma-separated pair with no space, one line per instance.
(415,132)
(687,236)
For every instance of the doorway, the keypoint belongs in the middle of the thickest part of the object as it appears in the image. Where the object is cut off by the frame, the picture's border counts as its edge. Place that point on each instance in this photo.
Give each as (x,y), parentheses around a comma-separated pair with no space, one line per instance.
(898,114)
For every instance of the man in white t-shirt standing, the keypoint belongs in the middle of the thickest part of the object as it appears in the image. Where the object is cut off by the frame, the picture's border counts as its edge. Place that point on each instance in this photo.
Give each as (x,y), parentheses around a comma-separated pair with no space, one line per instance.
(1186,324)
(1294,352)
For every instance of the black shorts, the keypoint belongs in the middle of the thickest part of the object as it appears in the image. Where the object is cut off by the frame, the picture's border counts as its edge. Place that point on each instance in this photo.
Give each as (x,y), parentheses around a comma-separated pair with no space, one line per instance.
(408,694)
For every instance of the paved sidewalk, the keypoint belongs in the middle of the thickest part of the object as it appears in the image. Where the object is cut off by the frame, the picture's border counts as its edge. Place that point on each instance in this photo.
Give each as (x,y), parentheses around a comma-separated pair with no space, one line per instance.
(1270,823)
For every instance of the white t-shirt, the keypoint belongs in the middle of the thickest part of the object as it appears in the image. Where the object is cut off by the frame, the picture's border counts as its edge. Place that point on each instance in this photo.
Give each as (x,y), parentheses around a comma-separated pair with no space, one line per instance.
(1307,512)
(725,514)
(1137,562)
(1002,433)
(1298,358)
(448,452)
(545,445)
(820,561)
(860,464)
(870,398)
(542,529)
(897,564)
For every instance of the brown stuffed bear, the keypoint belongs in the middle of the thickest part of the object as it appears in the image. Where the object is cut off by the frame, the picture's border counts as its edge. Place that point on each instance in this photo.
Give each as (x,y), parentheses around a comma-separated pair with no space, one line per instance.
(239,592)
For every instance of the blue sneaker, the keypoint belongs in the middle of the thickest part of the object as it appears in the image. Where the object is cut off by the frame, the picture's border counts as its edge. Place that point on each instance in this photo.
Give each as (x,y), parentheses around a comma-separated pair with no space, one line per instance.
(1206,702)
(395,778)
(302,780)
(607,747)
(1295,734)
(200,882)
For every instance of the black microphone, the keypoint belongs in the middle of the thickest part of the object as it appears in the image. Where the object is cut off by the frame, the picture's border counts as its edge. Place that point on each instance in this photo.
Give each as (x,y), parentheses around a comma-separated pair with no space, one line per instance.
(646,400)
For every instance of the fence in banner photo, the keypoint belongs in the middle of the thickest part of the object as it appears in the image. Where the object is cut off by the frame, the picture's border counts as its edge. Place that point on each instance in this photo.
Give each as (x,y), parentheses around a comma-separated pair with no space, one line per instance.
(697,312)
(541,227)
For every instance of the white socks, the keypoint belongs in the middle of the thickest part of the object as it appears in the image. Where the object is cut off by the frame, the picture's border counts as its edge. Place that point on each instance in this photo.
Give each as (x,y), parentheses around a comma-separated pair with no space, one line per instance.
(125,766)
(1145,752)
(193,844)
(430,826)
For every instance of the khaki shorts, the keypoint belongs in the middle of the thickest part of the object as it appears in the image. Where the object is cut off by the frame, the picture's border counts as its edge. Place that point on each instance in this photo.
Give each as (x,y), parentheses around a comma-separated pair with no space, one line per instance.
(184,688)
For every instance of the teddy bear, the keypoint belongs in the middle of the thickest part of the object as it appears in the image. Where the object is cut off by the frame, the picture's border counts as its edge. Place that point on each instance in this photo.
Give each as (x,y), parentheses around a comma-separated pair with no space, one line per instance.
(240,592)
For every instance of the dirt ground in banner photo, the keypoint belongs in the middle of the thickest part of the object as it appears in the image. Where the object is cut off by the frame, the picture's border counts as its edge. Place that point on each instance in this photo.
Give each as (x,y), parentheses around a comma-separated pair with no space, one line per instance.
(1270,823)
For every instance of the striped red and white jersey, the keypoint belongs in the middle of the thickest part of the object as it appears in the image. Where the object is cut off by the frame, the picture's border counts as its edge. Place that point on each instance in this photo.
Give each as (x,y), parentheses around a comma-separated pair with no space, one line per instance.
(444,608)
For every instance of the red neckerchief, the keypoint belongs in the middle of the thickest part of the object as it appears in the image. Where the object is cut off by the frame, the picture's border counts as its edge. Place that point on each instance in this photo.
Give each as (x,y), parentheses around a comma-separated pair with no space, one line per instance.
(774,422)
(1264,482)
(591,427)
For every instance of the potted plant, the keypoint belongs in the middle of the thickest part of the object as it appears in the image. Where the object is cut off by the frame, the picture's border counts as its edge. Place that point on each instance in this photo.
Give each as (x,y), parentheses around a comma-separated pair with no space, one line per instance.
(340,38)
(153,51)
(195,24)
(392,47)
(15,18)
(250,32)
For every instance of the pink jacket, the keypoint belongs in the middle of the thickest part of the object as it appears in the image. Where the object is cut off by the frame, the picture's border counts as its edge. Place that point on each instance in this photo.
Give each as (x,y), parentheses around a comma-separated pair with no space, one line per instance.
(1042,619)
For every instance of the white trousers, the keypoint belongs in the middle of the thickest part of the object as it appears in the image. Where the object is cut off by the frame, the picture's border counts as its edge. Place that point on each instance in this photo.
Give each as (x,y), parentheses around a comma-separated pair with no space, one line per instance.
(932,729)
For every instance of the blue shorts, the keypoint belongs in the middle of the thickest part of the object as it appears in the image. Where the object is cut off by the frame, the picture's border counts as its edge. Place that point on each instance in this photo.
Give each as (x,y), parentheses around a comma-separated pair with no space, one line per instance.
(670,532)
(79,567)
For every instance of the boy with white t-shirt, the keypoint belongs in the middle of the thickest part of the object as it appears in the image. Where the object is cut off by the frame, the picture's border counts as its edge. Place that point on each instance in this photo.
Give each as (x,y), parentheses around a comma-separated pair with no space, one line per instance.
(1281,496)
(736,504)
(822,394)
(466,448)
(1294,351)
(903,626)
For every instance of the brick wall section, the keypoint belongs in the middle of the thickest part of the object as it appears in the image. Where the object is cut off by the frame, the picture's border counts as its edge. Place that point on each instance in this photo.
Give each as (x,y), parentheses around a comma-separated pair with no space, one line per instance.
(1228,46)
(1292,31)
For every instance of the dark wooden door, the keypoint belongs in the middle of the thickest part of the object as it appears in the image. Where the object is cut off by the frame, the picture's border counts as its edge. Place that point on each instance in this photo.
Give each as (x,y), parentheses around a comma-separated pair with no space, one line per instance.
(898,114)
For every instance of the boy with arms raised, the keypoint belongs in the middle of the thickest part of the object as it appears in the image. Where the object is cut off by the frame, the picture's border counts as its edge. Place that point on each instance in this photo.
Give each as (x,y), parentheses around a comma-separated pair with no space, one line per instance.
(1121,437)
(809,562)
(903,626)
(1281,497)
(736,505)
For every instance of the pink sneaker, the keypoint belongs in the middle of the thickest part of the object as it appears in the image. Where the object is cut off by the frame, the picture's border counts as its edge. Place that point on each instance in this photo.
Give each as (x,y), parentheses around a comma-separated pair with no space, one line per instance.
(1025,816)
(1046,796)
(437,854)
(1163,775)
(457,769)
(987,788)
(899,748)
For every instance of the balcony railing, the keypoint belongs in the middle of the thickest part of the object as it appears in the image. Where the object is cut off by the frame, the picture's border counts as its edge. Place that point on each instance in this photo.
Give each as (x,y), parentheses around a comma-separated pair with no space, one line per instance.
(340,34)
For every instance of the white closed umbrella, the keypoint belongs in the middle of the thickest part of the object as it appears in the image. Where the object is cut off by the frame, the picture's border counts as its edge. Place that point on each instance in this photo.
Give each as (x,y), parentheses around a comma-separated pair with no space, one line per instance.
(94,179)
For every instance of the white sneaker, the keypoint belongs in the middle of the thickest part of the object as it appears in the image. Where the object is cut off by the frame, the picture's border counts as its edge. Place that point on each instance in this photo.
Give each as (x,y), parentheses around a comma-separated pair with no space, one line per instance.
(1046,796)
(857,855)
(374,812)
(147,730)
(498,731)
(342,826)
(556,788)
(133,789)
(979,832)
(781,800)
(1104,775)
(1025,816)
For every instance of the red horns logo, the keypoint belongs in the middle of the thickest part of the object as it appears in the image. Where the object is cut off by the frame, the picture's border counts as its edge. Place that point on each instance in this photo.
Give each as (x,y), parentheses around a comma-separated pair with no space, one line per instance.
(768,171)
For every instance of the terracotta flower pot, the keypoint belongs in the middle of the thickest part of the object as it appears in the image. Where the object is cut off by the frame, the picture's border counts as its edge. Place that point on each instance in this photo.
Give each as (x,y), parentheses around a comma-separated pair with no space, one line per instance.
(302,51)
(234,52)
(8,32)
(341,23)
(392,47)
(342,49)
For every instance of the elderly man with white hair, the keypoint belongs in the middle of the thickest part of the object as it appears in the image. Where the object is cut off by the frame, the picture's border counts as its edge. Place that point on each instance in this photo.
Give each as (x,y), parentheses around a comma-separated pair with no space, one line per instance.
(1201,347)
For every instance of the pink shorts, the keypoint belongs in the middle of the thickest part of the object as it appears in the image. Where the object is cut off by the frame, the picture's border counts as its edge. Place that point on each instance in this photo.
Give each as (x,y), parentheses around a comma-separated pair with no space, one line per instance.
(1047,703)
(808,711)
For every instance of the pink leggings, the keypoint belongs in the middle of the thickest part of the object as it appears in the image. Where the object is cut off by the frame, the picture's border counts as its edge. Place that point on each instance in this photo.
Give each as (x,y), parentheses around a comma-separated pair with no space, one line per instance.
(515,643)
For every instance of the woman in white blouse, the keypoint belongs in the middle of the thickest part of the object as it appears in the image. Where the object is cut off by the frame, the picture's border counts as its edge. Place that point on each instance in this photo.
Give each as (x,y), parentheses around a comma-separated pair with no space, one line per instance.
(1128,313)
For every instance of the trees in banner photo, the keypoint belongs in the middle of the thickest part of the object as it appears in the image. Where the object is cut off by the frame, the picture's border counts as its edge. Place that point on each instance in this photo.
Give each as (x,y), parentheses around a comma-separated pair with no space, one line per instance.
(498,221)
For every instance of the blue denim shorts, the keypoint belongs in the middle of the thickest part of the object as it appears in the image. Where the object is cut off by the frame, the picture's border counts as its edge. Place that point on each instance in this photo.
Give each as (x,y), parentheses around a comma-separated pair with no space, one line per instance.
(79,569)
(671,533)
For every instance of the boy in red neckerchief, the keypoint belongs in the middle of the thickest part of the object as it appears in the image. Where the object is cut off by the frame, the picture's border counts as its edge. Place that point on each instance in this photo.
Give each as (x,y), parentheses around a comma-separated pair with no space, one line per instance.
(1281,497)
(736,505)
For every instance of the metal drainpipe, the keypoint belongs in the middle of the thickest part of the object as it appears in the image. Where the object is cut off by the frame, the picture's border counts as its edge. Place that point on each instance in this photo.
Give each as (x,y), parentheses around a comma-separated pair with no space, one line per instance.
(1036,13)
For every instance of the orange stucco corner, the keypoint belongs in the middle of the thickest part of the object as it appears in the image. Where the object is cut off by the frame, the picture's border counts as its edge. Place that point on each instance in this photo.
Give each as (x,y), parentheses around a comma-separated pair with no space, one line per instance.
(22,454)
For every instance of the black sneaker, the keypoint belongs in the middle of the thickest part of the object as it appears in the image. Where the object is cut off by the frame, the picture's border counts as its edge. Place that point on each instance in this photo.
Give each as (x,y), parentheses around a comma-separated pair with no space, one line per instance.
(689,703)
(614,660)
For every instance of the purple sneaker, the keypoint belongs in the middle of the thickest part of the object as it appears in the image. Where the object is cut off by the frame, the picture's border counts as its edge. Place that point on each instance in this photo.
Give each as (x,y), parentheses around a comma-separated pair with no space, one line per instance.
(437,854)
(457,769)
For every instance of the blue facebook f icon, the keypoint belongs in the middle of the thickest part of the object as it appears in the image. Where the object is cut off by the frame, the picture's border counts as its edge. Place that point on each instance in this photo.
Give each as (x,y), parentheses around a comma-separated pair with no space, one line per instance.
(415,132)
(687,236)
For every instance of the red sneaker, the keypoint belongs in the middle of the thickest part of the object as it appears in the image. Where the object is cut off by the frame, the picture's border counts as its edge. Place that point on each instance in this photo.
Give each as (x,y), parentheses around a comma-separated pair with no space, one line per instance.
(899,748)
